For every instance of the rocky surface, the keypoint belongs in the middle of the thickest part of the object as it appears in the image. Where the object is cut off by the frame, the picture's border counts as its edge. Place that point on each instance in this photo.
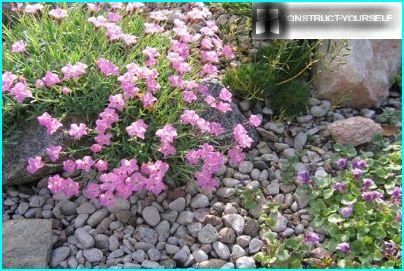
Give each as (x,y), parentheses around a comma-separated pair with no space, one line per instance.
(365,76)
(355,130)
(186,227)
(27,243)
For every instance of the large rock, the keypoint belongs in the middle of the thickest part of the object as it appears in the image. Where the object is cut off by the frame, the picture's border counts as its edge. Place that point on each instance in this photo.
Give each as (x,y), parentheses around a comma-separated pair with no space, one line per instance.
(27,243)
(355,130)
(29,140)
(364,78)
(228,120)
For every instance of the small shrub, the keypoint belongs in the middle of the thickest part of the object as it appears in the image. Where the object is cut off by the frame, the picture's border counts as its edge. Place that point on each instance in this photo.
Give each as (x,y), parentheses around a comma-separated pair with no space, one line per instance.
(273,76)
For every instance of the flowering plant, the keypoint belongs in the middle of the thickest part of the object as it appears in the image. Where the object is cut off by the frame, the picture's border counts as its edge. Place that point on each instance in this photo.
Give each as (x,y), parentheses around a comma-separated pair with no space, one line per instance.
(357,208)
(135,83)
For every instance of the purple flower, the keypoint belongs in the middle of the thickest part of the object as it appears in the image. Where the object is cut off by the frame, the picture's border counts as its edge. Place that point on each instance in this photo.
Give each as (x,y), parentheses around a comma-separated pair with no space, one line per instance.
(367,183)
(357,172)
(303,177)
(340,186)
(343,247)
(312,237)
(390,248)
(360,164)
(396,193)
(341,163)
(372,195)
(346,211)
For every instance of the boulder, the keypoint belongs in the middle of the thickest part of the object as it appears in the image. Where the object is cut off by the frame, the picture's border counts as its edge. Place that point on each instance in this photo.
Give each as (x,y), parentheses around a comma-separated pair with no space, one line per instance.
(355,130)
(228,120)
(30,140)
(361,74)
(27,243)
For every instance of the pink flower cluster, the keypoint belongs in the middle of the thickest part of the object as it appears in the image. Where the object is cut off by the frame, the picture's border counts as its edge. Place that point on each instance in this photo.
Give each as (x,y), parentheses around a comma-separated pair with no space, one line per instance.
(58,13)
(167,135)
(223,106)
(18,46)
(114,31)
(51,124)
(192,118)
(130,176)
(212,163)
(123,181)
(74,71)
(19,90)
(33,8)
(107,67)
(57,184)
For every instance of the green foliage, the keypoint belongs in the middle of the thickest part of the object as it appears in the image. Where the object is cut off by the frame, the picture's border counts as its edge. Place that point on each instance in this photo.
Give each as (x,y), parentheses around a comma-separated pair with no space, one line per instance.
(288,172)
(249,196)
(273,76)
(366,230)
(51,46)
(241,9)
(371,223)
(389,117)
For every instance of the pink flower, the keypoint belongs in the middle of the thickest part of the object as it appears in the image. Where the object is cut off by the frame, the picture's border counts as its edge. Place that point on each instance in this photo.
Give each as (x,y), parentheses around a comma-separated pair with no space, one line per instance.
(152,28)
(210,56)
(148,100)
(223,107)
(18,46)
(51,79)
(101,165)
(227,52)
(69,166)
(209,70)
(189,96)
(137,129)
(71,188)
(114,17)
(167,133)
(107,199)
(167,149)
(103,139)
(66,90)
(85,163)
(236,155)
(96,148)
(33,8)
(92,191)
(53,152)
(74,71)
(129,39)
(117,102)
(216,128)
(254,120)
(50,123)
(56,184)
(77,131)
(241,136)
(129,166)
(225,95)
(58,13)
(8,79)
(39,83)
(107,68)
(34,164)
(21,91)
(133,6)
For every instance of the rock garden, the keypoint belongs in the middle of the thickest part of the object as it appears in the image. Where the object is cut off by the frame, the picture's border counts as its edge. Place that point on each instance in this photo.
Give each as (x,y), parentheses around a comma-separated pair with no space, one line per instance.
(160,135)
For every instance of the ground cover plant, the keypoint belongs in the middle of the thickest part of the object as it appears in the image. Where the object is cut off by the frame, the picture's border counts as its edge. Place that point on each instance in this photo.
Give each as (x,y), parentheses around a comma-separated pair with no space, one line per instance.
(134,86)
(358,208)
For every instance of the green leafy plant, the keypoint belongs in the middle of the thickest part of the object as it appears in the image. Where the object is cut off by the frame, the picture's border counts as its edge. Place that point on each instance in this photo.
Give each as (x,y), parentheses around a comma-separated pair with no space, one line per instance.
(250,197)
(389,117)
(288,172)
(273,75)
